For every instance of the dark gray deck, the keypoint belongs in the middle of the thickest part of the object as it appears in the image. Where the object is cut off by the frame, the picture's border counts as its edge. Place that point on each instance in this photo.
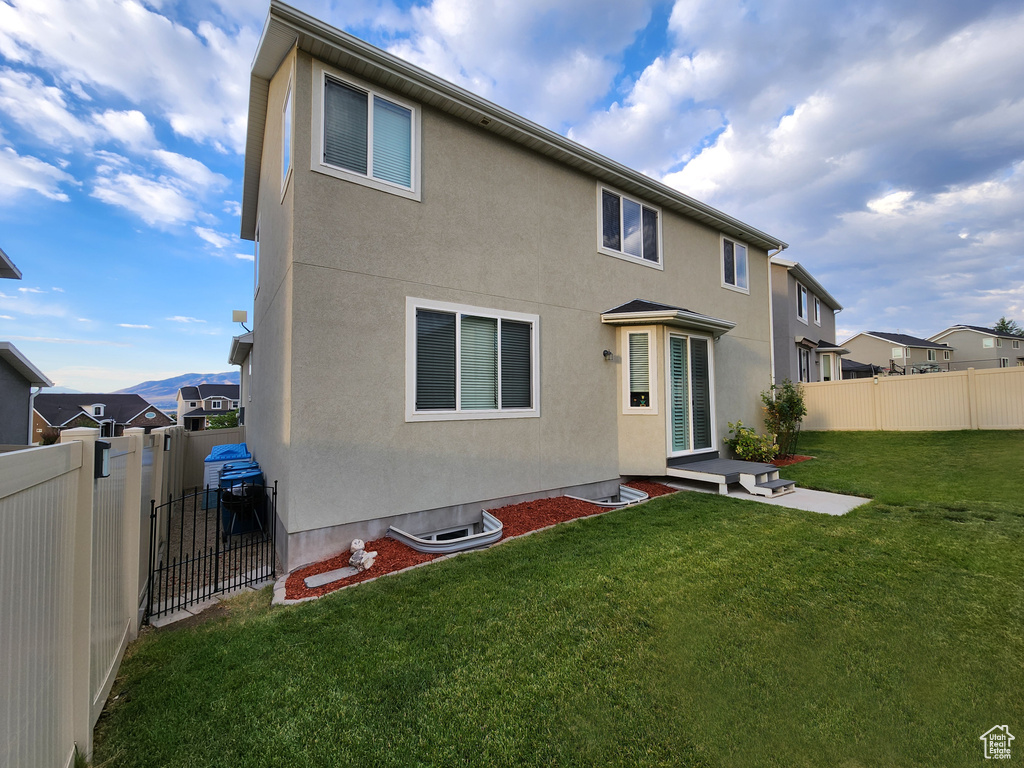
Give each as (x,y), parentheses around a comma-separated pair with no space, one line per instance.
(758,478)
(730,469)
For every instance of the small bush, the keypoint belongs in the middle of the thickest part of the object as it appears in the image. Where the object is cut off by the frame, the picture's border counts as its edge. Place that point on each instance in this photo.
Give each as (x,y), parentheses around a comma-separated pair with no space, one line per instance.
(784,410)
(750,446)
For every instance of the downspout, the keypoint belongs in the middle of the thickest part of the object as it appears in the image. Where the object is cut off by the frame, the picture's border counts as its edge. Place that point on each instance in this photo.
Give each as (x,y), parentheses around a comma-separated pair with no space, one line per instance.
(31,413)
(771,318)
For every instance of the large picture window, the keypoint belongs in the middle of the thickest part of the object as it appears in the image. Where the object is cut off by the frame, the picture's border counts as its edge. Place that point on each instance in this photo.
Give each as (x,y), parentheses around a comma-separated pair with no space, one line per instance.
(366,136)
(629,229)
(734,265)
(470,362)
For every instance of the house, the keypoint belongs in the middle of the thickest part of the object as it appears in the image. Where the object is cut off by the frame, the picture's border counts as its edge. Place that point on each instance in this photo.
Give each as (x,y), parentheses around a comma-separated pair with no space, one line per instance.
(899,353)
(456,308)
(111,414)
(197,404)
(17,378)
(803,325)
(854,370)
(979,347)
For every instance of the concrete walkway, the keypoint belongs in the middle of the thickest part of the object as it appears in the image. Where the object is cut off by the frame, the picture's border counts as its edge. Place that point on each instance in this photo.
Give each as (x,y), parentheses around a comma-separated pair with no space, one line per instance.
(802,498)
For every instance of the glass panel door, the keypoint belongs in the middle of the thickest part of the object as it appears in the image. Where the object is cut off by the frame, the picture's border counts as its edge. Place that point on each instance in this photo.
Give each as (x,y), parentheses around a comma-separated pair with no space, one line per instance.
(700,374)
(679,393)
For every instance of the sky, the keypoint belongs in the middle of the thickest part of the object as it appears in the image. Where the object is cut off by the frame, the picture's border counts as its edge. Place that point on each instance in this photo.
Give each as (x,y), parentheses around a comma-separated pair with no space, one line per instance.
(884,141)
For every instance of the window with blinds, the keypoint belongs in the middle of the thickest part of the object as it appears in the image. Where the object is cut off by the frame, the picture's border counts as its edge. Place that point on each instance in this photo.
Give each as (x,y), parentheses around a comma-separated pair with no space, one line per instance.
(368,134)
(468,363)
(639,370)
(629,228)
(690,394)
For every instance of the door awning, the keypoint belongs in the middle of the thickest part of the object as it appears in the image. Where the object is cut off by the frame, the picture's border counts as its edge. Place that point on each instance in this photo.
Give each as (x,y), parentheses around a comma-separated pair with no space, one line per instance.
(641,312)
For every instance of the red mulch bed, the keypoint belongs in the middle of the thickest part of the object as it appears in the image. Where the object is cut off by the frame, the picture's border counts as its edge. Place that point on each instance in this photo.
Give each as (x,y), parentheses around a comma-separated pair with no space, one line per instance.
(794,459)
(392,555)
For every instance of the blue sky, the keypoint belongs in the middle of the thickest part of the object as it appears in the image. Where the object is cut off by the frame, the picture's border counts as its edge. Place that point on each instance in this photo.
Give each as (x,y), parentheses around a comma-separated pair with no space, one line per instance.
(883,140)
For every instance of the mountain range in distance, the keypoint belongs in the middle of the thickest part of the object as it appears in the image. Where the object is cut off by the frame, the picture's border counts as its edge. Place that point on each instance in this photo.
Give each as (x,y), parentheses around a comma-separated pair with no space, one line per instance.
(164,393)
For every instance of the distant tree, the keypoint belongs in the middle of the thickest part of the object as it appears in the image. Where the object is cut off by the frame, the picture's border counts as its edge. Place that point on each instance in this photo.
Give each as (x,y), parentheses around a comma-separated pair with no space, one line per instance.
(223,420)
(1005,325)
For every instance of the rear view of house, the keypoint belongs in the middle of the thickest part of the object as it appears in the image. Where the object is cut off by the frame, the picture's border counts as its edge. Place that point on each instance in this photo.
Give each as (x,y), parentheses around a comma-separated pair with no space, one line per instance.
(979,347)
(456,308)
(899,353)
(196,404)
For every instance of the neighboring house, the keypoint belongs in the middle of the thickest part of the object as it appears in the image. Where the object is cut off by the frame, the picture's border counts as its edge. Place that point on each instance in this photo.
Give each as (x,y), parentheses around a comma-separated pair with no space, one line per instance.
(197,404)
(456,308)
(17,378)
(854,370)
(111,414)
(898,353)
(978,347)
(804,325)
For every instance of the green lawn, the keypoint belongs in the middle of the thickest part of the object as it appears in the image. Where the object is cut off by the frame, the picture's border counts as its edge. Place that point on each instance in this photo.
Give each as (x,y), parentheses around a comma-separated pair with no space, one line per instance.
(692,630)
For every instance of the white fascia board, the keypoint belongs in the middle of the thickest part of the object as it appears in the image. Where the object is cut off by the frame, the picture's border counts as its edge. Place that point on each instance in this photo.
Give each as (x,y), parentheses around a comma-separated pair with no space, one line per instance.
(21,364)
(676,318)
(240,348)
(808,280)
(287,26)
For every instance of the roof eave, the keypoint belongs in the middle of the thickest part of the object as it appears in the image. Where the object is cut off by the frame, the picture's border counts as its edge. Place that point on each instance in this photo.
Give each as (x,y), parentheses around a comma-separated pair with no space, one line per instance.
(287,26)
(12,355)
(809,281)
(240,348)
(7,267)
(676,318)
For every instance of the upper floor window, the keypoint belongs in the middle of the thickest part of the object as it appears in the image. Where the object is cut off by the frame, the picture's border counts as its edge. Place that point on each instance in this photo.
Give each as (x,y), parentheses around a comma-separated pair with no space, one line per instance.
(193,404)
(1016,345)
(470,362)
(97,410)
(817,311)
(629,228)
(897,353)
(366,136)
(215,405)
(801,302)
(734,265)
(999,342)
(988,343)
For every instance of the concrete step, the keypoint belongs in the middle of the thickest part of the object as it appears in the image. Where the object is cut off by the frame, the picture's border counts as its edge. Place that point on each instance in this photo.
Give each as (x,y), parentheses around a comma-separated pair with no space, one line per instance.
(776,487)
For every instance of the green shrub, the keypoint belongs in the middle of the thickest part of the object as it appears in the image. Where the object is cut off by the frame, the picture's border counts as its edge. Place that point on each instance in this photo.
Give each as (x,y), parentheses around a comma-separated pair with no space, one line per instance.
(784,410)
(750,446)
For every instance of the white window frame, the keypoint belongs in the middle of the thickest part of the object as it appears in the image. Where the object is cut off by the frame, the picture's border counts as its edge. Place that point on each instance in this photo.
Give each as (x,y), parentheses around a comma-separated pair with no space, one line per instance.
(215,405)
(652,369)
(1016,344)
(193,404)
(746,264)
(817,311)
(412,415)
(681,333)
(999,342)
(801,303)
(287,135)
(897,353)
(932,357)
(660,263)
(834,364)
(945,354)
(321,72)
(97,410)
(988,343)
(1004,362)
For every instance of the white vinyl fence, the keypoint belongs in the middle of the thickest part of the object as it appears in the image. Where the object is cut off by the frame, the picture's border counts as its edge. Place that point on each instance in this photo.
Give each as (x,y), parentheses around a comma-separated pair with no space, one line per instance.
(74,557)
(992,398)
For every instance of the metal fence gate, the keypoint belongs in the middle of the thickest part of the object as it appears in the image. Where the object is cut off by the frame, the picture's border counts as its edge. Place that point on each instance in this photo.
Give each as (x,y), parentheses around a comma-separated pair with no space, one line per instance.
(208,542)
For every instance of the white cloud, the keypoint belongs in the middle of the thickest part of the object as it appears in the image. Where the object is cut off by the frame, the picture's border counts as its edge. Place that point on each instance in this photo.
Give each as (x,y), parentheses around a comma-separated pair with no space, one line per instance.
(233,207)
(132,325)
(57,290)
(547,61)
(31,290)
(155,201)
(130,127)
(246,256)
(79,342)
(6,317)
(183,319)
(20,173)
(197,80)
(215,239)
(41,109)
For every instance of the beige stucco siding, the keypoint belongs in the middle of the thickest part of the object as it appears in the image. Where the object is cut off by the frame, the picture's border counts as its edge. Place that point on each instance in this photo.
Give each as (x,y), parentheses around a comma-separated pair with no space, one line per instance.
(497,227)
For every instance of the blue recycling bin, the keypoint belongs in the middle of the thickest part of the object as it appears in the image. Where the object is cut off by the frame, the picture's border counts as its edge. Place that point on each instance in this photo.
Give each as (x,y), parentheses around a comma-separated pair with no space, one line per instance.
(243,502)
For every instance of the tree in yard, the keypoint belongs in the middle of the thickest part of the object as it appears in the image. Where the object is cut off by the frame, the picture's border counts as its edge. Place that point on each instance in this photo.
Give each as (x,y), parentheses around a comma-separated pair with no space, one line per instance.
(1006,325)
(223,420)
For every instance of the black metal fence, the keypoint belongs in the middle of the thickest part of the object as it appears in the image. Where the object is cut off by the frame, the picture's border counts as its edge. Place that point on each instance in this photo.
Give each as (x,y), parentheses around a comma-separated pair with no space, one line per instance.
(207,542)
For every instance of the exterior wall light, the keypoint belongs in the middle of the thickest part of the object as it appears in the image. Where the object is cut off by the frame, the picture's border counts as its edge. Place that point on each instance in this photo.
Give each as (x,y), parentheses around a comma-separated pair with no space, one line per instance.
(167,441)
(607,354)
(102,466)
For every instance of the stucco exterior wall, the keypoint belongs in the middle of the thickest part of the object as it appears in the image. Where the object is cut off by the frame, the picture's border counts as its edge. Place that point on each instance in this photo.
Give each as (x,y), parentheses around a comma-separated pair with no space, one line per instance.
(14,399)
(497,227)
(972,353)
(788,326)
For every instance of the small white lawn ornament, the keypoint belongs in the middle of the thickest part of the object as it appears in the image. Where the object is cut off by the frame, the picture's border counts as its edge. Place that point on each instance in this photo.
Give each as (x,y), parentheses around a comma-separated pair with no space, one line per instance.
(361,559)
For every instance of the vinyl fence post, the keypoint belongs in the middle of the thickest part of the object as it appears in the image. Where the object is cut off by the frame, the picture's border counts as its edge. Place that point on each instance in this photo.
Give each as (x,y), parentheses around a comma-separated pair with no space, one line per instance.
(133,511)
(972,397)
(81,625)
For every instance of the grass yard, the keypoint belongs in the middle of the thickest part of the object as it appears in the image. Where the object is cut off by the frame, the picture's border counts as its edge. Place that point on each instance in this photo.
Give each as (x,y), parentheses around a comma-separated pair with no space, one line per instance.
(693,630)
